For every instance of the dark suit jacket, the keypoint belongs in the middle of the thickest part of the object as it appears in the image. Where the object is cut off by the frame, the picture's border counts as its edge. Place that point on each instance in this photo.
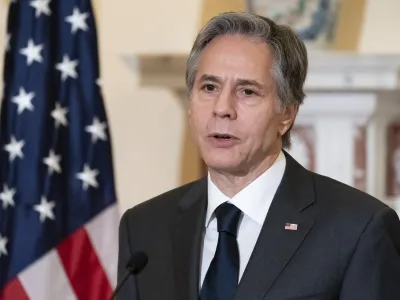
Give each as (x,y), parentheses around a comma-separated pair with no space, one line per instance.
(347,245)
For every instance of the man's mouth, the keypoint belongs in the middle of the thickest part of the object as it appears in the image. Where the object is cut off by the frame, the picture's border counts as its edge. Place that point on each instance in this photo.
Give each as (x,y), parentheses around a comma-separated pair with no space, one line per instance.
(223,136)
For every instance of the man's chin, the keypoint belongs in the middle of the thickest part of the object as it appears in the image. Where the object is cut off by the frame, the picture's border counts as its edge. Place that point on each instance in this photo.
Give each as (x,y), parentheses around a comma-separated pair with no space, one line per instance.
(225,166)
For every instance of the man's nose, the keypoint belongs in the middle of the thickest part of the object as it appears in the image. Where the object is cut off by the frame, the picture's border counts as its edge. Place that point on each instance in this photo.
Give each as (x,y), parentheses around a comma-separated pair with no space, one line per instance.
(225,106)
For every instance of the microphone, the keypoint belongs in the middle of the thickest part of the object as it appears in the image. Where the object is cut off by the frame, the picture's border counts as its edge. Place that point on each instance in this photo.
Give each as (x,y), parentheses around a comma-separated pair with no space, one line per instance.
(135,265)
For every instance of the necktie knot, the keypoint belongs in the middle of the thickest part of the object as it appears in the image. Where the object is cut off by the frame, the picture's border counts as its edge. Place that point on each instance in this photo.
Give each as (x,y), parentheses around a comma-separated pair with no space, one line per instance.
(228,218)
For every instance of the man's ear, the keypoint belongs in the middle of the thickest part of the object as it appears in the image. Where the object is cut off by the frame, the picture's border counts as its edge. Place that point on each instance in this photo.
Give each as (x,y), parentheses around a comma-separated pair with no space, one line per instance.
(287,118)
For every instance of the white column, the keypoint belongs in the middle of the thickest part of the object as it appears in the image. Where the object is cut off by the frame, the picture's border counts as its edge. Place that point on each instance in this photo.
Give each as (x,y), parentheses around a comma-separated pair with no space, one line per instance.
(335,117)
(386,112)
(334,148)
(376,157)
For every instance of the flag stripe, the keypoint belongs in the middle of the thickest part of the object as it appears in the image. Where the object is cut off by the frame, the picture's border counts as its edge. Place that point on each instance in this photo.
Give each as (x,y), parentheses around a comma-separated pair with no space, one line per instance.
(83,267)
(103,232)
(13,291)
(45,279)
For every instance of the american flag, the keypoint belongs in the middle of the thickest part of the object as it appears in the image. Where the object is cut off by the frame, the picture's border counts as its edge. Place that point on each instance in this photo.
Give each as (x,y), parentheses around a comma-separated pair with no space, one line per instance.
(58,209)
(290,226)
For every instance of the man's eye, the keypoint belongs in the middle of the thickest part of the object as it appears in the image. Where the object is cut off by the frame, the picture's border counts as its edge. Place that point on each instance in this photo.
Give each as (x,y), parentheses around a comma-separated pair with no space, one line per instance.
(248,92)
(209,87)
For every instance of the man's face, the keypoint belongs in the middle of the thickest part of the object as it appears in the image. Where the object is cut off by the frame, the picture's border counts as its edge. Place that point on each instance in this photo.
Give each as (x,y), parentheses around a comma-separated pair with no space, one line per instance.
(233,107)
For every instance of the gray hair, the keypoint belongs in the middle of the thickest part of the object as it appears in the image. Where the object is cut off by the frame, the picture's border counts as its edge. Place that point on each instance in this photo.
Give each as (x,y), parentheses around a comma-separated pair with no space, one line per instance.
(290,54)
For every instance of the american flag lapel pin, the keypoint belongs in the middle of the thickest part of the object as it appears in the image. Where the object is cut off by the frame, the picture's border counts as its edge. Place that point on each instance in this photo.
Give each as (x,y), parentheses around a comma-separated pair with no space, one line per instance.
(290,226)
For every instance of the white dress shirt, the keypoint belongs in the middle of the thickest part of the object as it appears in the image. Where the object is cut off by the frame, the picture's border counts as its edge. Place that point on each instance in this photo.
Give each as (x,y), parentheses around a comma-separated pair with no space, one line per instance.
(254,201)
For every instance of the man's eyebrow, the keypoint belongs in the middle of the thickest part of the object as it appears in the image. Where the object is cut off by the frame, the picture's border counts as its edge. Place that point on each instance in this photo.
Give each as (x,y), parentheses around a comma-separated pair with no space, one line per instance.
(250,82)
(240,81)
(211,78)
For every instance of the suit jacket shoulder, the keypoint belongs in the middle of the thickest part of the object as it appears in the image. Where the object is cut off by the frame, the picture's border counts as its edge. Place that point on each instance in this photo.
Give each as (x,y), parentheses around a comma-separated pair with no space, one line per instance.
(343,199)
(160,206)
(347,213)
(150,227)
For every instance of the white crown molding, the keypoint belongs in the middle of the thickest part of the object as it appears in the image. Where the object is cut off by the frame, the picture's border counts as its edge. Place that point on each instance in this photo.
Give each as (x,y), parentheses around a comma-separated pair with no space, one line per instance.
(352,71)
(343,104)
(159,70)
(327,71)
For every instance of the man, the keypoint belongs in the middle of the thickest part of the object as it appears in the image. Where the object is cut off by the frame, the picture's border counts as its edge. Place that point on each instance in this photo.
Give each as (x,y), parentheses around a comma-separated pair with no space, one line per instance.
(259,225)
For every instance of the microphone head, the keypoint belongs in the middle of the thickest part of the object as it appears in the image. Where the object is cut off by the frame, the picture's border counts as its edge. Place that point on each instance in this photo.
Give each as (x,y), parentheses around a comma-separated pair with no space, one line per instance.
(137,262)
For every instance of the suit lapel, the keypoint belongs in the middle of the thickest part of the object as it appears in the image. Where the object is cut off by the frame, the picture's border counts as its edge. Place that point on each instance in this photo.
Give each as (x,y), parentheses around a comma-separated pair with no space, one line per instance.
(275,245)
(186,235)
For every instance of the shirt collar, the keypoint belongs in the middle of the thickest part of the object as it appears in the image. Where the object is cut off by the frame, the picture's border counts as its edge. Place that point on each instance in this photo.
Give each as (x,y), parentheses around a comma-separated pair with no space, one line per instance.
(255,199)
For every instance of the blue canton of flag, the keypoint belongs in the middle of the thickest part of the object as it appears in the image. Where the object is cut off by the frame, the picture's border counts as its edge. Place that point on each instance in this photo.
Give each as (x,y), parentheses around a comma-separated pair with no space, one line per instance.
(58,211)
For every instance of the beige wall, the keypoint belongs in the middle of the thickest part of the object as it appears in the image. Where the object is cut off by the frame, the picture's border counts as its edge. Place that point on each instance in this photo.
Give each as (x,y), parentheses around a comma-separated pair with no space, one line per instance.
(381,30)
(147,123)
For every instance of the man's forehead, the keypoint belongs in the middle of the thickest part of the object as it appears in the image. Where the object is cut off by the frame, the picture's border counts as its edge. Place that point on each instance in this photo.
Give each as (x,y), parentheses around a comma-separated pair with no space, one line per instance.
(228,57)
(238,74)
(237,42)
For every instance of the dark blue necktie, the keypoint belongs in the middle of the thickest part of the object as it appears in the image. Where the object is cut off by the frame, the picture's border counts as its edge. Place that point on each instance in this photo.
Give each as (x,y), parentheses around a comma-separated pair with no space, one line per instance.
(221,280)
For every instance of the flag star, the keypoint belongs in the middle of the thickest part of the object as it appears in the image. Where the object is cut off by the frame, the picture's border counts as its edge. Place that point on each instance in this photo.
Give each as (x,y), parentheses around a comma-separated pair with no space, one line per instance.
(99,82)
(3,243)
(67,68)
(23,100)
(41,7)
(88,177)
(97,130)
(14,148)
(45,209)
(6,196)
(32,52)
(8,42)
(59,115)
(53,162)
(78,20)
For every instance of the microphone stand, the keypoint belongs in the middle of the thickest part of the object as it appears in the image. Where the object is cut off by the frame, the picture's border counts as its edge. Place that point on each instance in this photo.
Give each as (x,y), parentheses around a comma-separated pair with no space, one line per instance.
(128,272)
